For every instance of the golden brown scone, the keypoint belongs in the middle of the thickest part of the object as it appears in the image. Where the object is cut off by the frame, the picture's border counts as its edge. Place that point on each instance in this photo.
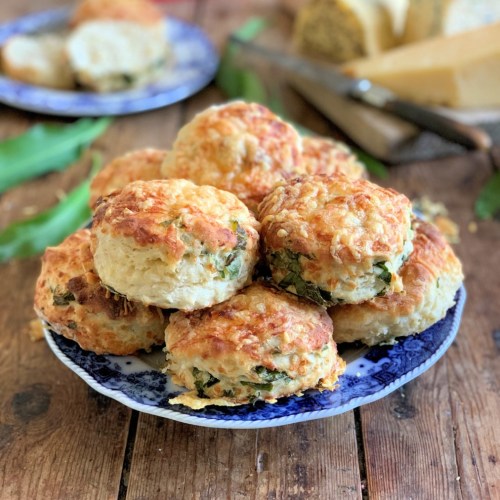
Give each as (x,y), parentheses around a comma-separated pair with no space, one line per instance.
(174,244)
(335,240)
(323,156)
(140,165)
(69,296)
(261,344)
(140,11)
(38,60)
(431,277)
(240,147)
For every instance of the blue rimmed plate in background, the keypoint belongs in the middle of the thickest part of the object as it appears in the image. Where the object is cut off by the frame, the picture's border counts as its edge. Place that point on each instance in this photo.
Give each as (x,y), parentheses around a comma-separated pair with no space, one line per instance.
(194,63)
(372,373)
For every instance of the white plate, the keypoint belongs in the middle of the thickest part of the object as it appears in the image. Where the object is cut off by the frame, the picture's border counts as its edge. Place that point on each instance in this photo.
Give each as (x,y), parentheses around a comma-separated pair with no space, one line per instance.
(137,382)
(194,63)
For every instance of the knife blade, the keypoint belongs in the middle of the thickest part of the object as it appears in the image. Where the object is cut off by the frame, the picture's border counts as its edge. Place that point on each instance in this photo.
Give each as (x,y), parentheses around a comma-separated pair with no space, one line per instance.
(362,90)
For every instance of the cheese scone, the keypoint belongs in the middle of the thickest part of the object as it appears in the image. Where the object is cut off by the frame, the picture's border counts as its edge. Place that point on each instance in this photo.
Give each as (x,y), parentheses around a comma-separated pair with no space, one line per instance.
(431,277)
(143,12)
(140,165)
(324,156)
(109,56)
(335,240)
(240,147)
(38,60)
(69,296)
(261,344)
(173,244)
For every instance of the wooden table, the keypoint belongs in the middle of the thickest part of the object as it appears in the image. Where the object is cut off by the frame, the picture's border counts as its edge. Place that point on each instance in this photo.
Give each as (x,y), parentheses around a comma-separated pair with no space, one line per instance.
(438,437)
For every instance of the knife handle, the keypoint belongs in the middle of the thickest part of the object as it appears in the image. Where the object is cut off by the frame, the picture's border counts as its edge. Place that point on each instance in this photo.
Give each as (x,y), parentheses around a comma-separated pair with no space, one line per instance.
(469,136)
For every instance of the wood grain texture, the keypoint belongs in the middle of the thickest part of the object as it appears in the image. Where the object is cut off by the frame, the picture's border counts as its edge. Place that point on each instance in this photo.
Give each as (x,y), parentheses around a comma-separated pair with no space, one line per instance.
(449,440)
(313,460)
(438,437)
(58,438)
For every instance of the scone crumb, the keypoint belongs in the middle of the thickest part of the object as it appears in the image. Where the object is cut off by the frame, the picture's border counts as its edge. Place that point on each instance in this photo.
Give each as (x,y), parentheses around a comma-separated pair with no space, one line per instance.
(437,214)
(35,330)
(472,227)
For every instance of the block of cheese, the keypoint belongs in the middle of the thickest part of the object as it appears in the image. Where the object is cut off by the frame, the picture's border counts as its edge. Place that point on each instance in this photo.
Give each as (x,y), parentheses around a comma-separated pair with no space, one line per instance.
(428,18)
(341,30)
(459,71)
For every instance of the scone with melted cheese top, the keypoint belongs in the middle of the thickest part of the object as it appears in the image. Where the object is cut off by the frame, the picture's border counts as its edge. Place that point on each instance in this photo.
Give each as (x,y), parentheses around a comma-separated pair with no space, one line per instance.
(70,297)
(335,240)
(431,277)
(240,147)
(139,165)
(143,12)
(174,244)
(261,344)
(323,156)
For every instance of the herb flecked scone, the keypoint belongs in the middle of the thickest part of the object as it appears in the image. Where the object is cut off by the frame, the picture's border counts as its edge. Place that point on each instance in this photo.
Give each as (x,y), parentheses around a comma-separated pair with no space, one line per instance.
(143,12)
(240,147)
(69,296)
(334,240)
(173,244)
(324,156)
(261,344)
(431,277)
(139,165)
(37,59)
(112,55)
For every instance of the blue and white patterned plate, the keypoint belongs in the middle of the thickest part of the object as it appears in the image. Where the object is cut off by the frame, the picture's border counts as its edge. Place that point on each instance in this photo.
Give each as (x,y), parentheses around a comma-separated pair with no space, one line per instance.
(194,63)
(372,373)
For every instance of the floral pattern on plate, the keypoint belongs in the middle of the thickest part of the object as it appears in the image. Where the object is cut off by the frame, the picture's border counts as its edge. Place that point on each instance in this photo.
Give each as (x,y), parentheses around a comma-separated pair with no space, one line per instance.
(372,372)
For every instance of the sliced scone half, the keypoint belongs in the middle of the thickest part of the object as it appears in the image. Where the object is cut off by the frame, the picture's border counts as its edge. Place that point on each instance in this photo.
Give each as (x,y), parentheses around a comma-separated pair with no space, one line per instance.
(38,60)
(107,56)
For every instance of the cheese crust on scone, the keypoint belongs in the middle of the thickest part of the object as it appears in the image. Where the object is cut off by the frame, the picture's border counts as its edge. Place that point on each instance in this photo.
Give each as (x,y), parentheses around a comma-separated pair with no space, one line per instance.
(261,344)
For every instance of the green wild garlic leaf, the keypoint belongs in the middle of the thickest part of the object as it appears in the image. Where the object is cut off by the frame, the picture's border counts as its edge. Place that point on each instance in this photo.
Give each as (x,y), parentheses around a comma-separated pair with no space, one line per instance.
(46,148)
(31,236)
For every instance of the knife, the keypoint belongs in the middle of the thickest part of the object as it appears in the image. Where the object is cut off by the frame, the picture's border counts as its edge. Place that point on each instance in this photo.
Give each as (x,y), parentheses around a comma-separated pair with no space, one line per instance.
(362,90)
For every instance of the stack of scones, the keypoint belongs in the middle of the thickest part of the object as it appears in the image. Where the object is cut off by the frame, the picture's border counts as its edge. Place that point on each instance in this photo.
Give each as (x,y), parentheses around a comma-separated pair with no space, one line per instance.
(250,252)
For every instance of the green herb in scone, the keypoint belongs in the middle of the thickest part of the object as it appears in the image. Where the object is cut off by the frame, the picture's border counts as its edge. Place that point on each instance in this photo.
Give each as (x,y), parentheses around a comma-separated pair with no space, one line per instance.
(258,386)
(270,375)
(290,261)
(384,274)
(203,380)
(62,298)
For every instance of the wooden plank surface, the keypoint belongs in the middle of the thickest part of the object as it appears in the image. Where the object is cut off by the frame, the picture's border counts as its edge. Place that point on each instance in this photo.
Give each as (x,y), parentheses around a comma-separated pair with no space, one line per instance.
(438,437)
(442,425)
(314,460)
(58,438)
